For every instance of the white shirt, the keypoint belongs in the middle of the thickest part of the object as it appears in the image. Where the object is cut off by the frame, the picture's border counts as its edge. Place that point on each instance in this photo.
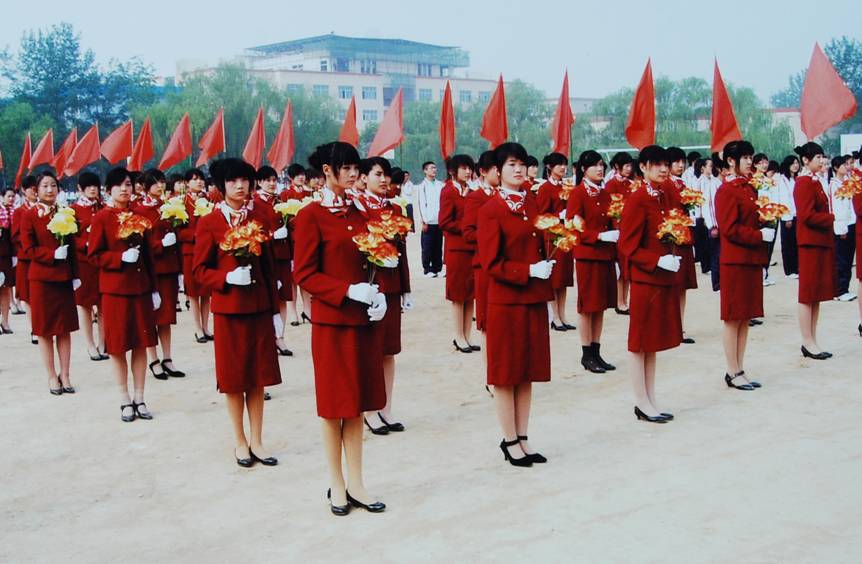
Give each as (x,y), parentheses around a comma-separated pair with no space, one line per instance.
(709,186)
(428,200)
(689,178)
(408,190)
(842,208)
(785,195)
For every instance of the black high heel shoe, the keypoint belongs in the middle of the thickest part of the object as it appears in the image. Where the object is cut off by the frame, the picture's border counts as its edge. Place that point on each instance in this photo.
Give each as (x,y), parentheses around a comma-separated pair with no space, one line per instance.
(384,430)
(202,339)
(294,324)
(246,462)
(305,318)
(523,462)
(816,356)
(728,379)
(161,375)
(648,418)
(268,461)
(569,327)
(145,415)
(169,372)
(535,458)
(283,351)
(751,382)
(209,337)
(127,418)
(459,348)
(622,311)
(393,427)
(375,507)
(68,389)
(556,327)
(338,510)
(474,348)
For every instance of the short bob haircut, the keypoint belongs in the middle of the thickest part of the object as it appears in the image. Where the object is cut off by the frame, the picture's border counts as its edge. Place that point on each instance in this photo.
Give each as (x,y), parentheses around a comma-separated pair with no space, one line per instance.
(367,165)
(46,173)
(295,170)
(551,160)
(784,167)
(759,157)
(808,150)
(116,176)
(87,179)
(313,173)
(135,176)
(585,161)
(193,173)
(336,155)
(509,150)
(653,154)
(266,172)
(621,159)
(532,161)
(737,149)
(675,154)
(225,170)
(152,176)
(457,161)
(486,161)
(692,157)
(28,181)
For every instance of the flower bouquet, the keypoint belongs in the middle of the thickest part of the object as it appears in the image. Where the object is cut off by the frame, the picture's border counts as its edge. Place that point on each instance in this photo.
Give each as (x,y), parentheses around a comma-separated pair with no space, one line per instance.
(174,210)
(244,241)
(615,208)
(691,199)
(132,227)
(377,250)
(675,230)
(762,182)
(770,212)
(565,235)
(850,187)
(63,224)
(203,207)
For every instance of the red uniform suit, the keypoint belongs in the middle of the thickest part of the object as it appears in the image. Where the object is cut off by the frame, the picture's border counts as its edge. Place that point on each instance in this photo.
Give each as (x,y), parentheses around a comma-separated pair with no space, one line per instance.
(622,186)
(7,247)
(345,347)
(815,240)
(743,252)
(857,207)
(458,255)
(687,275)
(167,260)
(52,300)
(655,323)
(87,295)
(518,343)
(292,193)
(469,231)
(22,278)
(282,249)
(186,237)
(594,269)
(550,199)
(245,356)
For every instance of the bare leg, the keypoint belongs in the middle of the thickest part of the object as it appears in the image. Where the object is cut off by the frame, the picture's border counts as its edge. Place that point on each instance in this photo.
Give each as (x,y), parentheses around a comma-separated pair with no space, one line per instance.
(279,331)
(294,315)
(649,373)
(353,457)
(815,317)
(64,353)
(598,322)
(100,323)
(254,403)
(121,368)
(46,349)
(730,337)
(165,342)
(457,309)
(332,440)
(235,403)
(389,381)
(682,294)
(85,320)
(197,314)
(586,332)
(467,317)
(804,311)
(205,315)
(523,402)
(560,299)
(139,373)
(5,300)
(639,383)
(504,401)
(306,302)
(742,343)
(622,294)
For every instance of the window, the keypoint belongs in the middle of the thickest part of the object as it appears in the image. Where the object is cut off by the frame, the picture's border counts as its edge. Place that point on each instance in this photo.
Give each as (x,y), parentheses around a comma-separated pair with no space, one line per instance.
(345,92)
(369,92)
(465,96)
(323,65)
(425,94)
(424,69)
(341,64)
(320,90)
(369,115)
(444,70)
(368,66)
(485,96)
(294,88)
(342,113)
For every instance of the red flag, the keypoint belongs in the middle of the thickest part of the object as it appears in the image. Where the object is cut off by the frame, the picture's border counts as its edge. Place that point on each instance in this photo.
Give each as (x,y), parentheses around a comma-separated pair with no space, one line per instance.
(143,149)
(180,145)
(561,126)
(495,127)
(723,122)
(59,162)
(86,151)
(1,160)
(826,100)
(24,163)
(640,126)
(283,147)
(253,152)
(44,152)
(349,133)
(447,123)
(390,134)
(212,142)
(118,145)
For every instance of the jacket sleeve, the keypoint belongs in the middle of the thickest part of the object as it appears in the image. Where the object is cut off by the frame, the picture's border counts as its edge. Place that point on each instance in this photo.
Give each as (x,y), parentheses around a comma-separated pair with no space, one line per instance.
(97,246)
(805,198)
(448,217)
(492,252)
(632,228)
(403,267)
(30,246)
(306,261)
(470,218)
(574,207)
(544,199)
(205,260)
(730,221)
(267,264)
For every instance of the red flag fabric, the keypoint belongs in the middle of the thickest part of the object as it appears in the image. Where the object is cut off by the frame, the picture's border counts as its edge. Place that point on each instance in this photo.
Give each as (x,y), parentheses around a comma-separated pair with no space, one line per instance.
(86,151)
(349,133)
(390,134)
(253,152)
(180,145)
(723,122)
(447,123)
(59,162)
(118,145)
(44,152)
(640,126)
(24,162)
(495,127)
(561,125)
(212,142)
(143,150)
(826,100)
(1,161)
(283,147)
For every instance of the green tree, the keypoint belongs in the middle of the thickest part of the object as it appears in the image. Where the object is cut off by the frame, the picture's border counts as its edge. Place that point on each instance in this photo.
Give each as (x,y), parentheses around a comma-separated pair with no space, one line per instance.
(16,119)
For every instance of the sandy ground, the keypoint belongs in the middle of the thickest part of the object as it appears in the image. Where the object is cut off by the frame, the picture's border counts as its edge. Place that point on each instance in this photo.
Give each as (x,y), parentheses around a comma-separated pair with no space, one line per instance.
(765,476)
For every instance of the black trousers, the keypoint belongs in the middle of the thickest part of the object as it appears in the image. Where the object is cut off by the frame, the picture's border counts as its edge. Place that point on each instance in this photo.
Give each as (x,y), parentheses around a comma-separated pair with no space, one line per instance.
(432,249)
(715,255)
(789,250)
(410,215)
(701,246)
(845,249)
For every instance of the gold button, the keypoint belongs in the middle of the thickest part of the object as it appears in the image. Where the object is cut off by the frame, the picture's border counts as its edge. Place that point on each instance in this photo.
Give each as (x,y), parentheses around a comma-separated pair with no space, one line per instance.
(534,234)
(524,218)
(350,228)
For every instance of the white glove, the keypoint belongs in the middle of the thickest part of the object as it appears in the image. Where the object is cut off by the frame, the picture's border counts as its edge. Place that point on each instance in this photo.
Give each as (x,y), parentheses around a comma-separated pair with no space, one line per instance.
(406,301)
(378,307)
(157,301)
(131,255)
(542,269)
(363,292)
(239,276)
(76,283)
(61,252)
(610,236)
(839,227)
(768,234)
(2,279)
(169,239)
(669,262)
(14,262)
(278,284)
(278,324)
(280,233)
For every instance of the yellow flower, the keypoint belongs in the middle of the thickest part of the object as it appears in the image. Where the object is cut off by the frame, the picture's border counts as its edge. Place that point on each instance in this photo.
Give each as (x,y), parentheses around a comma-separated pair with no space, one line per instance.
(174,210)
(63,223)
(401,202)
(203,207)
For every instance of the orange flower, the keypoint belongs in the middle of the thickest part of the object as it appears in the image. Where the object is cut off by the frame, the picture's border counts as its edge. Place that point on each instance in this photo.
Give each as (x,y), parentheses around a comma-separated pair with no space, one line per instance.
(615,208)
(850,187)
(566,234)
(390,226)
(377,250)
(691,199)
(546,221)
(244,240)
(674,229)
(131,225)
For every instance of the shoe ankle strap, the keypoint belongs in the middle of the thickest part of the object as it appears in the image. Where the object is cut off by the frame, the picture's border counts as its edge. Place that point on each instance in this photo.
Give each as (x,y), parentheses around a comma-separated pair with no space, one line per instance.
(523,437)
(510,443)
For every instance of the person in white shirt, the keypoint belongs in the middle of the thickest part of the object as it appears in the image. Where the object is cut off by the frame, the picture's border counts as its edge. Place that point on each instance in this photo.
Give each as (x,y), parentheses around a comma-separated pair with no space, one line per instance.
(786,179)
(762,164)
(844,228)
(427,209)
(689,176)
(701,232)
(709,185)
(408,191)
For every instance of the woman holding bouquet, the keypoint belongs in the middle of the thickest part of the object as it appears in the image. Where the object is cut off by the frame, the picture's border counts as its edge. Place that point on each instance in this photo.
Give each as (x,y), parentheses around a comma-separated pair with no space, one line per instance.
(233,261)
(687,276)
(787,172)
(87,295)
(197,205)
(298,190)
(655,324)
(816,247)
(594,267)
(46,236)
(844,227)
(7,252)
(512,253)
(345,346)
(621,183)
(165,219)
(22,264)
(552,198)
(119,245)
(744,253)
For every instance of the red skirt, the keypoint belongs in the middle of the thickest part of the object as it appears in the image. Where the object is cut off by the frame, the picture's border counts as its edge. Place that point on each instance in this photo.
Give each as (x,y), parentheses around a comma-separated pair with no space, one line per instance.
(22,280)
(390,326)
(348,370)
(52,308)
(6,268)
(519,347)
(597,285)
(192,288)
(168,286)
(285,276)
(88,294)
(128,322)
(563,275)
(859,252)
(816,274)
(741,291)
(687,276)
(480,281)
(245,357)
(459,276)
(655,322)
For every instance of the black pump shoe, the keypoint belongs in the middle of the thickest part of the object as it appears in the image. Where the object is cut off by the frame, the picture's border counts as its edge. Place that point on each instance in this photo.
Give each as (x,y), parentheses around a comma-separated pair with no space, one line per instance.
(598,356)
(305,318)
(201,339)
(752,383)
(161,375)
(523,462)
(459,348)
(172,373)
(338,510)
(474,348)
(535,458)
(384,430)
(268,461)
(375,507)
(556,327)
(728,379)
(569,327)
(146,415)
(127,418)
(283,351)
(816,356)
(392,427)
(650,419)
(246,462)
(622,311)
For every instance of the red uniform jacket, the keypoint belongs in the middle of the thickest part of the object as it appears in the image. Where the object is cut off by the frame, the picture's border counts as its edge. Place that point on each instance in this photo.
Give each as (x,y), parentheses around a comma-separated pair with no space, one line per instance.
(292,193)
(548,199)
(17,220)
(739,224)
(106,249)
(451,214)
(215,196)
(618,185)
(7,248)
(672,187)
(186,234)
(211,266)
(857,207)
(38,245)
(167,260)
(469,222)
(508,245)
(327,262)
(644,211)
(593,210)
(814,221)
(84,215)
(281,248)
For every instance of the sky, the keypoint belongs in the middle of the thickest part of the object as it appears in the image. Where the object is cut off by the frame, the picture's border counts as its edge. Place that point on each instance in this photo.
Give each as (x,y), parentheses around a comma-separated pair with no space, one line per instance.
(604,45)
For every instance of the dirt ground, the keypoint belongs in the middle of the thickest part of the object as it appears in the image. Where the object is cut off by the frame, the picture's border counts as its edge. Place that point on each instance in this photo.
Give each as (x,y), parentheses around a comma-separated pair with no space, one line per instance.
(765,476)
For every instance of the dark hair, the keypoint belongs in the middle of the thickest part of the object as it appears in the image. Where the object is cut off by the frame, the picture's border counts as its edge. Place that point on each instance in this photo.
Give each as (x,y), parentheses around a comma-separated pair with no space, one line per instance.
(457,161)
(295,170)
(784,167)
(426,163)
(621,159)
(692,157)
(808,150)
(397,177)
(230,169)
(737,149)
(698,167)
(172,181)
(313,173)
(46,173)
(772,167)
(486,161)
(759,157)
(266,172)
(116,176)
(135,176)
(28,181)
(653,154)
(551,160)
(718,162)
(840,160)
(585,161)
(506,150)
(194,172)
(674,154)
(152,176)
(531,161)
(336,154)
(368,164)
(87,179)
